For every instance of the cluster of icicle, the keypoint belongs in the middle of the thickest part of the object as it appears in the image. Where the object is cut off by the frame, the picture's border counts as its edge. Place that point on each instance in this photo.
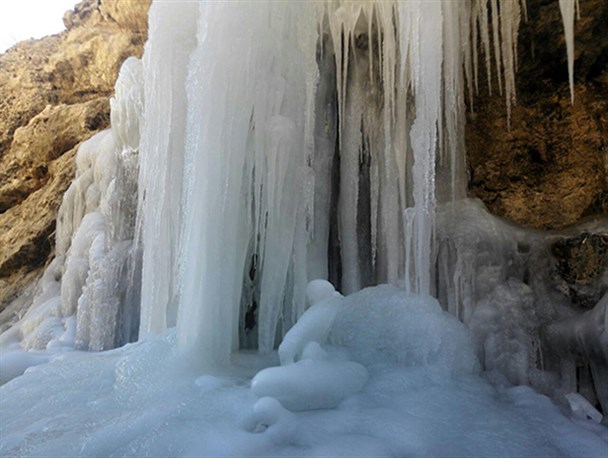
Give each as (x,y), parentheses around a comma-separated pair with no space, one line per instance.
(280,142)
(274,132)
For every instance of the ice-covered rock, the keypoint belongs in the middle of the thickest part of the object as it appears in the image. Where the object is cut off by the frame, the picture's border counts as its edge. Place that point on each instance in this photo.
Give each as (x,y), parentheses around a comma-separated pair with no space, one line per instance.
(267,412)
(583,408)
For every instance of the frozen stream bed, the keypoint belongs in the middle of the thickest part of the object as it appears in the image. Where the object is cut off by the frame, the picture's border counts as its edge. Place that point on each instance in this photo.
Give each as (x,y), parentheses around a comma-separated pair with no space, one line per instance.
(421,395)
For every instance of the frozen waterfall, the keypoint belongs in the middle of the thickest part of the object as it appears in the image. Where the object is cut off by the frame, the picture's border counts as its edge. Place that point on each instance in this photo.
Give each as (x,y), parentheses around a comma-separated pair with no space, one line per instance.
(260,145)
(317,150)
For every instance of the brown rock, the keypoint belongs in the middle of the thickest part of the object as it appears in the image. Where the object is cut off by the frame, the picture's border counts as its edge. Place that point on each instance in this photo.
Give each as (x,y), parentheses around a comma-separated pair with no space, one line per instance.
(582,261)
(50,134)
(130,14)
(85,12)
(550,168)
(27,229)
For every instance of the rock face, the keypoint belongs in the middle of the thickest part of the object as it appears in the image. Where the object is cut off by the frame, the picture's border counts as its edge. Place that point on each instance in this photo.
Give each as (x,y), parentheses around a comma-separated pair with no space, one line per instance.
(550,168)
(582,262)
(55,94)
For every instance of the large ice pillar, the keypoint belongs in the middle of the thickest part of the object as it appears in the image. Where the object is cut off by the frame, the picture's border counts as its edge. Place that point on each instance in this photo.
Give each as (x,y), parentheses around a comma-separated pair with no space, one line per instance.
(426,25)
(108,306)
(247,149)
(161,178)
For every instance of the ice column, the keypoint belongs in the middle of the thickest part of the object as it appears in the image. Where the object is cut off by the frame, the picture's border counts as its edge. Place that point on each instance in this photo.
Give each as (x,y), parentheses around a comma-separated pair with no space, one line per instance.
(246,158)
(161,178)
(426,60)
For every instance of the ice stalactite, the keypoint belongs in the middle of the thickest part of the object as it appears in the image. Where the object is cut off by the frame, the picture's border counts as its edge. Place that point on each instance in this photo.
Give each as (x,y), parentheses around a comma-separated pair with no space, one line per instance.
(567,8)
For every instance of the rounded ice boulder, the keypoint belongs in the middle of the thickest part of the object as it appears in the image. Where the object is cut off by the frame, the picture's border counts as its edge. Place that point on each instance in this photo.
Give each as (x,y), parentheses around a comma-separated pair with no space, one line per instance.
(310,384)
(385,323)
(316,322)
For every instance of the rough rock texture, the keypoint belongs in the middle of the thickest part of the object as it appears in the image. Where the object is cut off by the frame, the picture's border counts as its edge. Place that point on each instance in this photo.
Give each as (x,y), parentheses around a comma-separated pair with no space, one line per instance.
(551,168)
(55,94)
(582,262)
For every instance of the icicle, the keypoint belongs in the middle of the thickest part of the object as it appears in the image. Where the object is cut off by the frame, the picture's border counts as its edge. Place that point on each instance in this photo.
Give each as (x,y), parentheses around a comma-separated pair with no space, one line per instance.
(567,8)
(482,11)
(427,64)
(509,25)
(496,37)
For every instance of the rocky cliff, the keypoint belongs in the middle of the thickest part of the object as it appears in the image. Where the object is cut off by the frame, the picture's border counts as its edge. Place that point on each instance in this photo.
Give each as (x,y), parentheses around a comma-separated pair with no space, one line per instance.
(55,94)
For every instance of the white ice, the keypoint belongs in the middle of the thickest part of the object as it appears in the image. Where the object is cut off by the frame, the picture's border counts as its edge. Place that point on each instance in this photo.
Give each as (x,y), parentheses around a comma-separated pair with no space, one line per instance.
(567,8)
(316,322)
(310,384)
(145,400)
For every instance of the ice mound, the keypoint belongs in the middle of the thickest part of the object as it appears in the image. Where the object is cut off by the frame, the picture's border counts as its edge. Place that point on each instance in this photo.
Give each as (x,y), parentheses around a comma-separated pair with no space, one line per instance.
(15,363)
(377,325)
(385,324)
(135,401)
(315,324)
(312,383)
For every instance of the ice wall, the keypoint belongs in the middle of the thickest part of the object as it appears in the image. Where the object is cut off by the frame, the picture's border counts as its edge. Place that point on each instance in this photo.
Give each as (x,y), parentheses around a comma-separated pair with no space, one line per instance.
(502,281)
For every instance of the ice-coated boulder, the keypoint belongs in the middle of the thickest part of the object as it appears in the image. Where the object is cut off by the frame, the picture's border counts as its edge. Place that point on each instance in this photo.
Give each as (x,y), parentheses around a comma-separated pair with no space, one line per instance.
(310,384)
